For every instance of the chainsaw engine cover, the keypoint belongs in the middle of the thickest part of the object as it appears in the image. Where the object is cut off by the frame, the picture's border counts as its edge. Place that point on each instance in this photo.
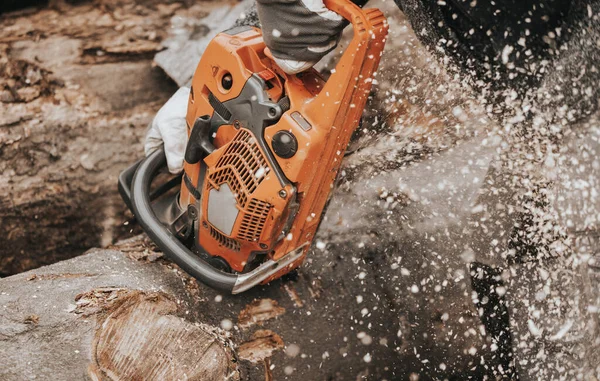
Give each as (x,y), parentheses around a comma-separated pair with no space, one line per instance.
(265,147)
(263,153)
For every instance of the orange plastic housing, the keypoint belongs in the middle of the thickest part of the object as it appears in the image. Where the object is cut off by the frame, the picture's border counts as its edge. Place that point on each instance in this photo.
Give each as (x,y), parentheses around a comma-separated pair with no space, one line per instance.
(322,117)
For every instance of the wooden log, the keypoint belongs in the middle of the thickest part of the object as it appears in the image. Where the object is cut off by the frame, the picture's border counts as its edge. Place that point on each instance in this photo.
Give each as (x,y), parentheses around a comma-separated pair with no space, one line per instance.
(376,299)
(372,301)
(77,90)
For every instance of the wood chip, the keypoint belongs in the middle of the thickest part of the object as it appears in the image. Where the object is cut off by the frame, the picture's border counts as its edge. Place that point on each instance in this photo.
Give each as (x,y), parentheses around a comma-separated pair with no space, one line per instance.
(293,294)
(259,311)
(31,319)
(261,346)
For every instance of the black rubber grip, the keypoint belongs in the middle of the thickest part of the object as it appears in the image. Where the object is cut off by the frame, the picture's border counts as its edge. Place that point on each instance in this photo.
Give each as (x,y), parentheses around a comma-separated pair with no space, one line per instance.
(219,107)
(125,180)
(199,144)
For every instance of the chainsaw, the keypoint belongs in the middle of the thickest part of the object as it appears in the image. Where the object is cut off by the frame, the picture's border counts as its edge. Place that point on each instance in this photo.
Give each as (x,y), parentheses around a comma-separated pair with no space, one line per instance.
(263,153)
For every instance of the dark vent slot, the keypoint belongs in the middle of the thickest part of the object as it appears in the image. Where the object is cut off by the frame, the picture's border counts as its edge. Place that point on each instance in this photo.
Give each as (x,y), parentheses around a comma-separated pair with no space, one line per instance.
(225,241)
(254,220)
(284,103)
(218,107)
(239,166)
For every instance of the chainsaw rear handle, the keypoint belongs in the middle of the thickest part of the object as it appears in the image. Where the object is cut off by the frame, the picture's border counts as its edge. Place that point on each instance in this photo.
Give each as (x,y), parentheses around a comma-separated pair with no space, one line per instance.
(370,28)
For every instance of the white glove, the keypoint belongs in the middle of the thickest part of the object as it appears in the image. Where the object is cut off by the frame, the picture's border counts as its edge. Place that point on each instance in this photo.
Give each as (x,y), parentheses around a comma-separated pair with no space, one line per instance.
(169,128)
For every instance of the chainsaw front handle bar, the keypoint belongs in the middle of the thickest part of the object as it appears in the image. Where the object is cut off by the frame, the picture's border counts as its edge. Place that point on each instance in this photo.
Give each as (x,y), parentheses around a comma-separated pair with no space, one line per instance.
(134,186)
(162,237)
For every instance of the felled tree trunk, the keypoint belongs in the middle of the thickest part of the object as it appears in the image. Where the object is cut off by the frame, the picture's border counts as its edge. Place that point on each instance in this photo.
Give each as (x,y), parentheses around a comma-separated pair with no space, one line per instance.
(111,314)
(383,294)
(77,89)
(372,302)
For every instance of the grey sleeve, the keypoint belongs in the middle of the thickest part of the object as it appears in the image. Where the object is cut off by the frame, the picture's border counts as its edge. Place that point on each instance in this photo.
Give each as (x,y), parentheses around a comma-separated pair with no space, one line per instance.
(289,28)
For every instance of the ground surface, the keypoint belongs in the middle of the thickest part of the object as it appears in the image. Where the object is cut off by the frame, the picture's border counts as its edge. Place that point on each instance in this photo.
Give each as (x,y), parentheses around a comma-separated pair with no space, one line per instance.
(384,294)
(77,89)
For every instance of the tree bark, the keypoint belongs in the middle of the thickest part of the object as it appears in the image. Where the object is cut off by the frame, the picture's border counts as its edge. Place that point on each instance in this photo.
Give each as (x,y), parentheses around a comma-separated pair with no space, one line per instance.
(372,301)
(77,89)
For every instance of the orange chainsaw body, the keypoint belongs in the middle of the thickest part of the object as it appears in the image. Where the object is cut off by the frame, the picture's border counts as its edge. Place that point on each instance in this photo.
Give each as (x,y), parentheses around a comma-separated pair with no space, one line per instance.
(278,141)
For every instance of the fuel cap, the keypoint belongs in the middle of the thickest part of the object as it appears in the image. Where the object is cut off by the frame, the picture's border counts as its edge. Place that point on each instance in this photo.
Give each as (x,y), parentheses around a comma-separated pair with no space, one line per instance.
(285,144)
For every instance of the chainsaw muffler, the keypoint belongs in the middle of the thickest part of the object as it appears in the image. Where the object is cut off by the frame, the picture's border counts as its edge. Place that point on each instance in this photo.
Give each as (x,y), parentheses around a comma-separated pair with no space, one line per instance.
(263,153)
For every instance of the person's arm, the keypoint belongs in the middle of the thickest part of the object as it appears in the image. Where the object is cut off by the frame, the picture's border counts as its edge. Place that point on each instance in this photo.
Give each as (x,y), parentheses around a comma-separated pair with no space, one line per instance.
(570,90)
(298,32)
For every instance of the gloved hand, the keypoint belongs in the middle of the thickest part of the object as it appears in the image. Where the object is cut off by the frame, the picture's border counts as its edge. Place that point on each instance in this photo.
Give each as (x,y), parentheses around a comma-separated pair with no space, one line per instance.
(299,32)
(169,128)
